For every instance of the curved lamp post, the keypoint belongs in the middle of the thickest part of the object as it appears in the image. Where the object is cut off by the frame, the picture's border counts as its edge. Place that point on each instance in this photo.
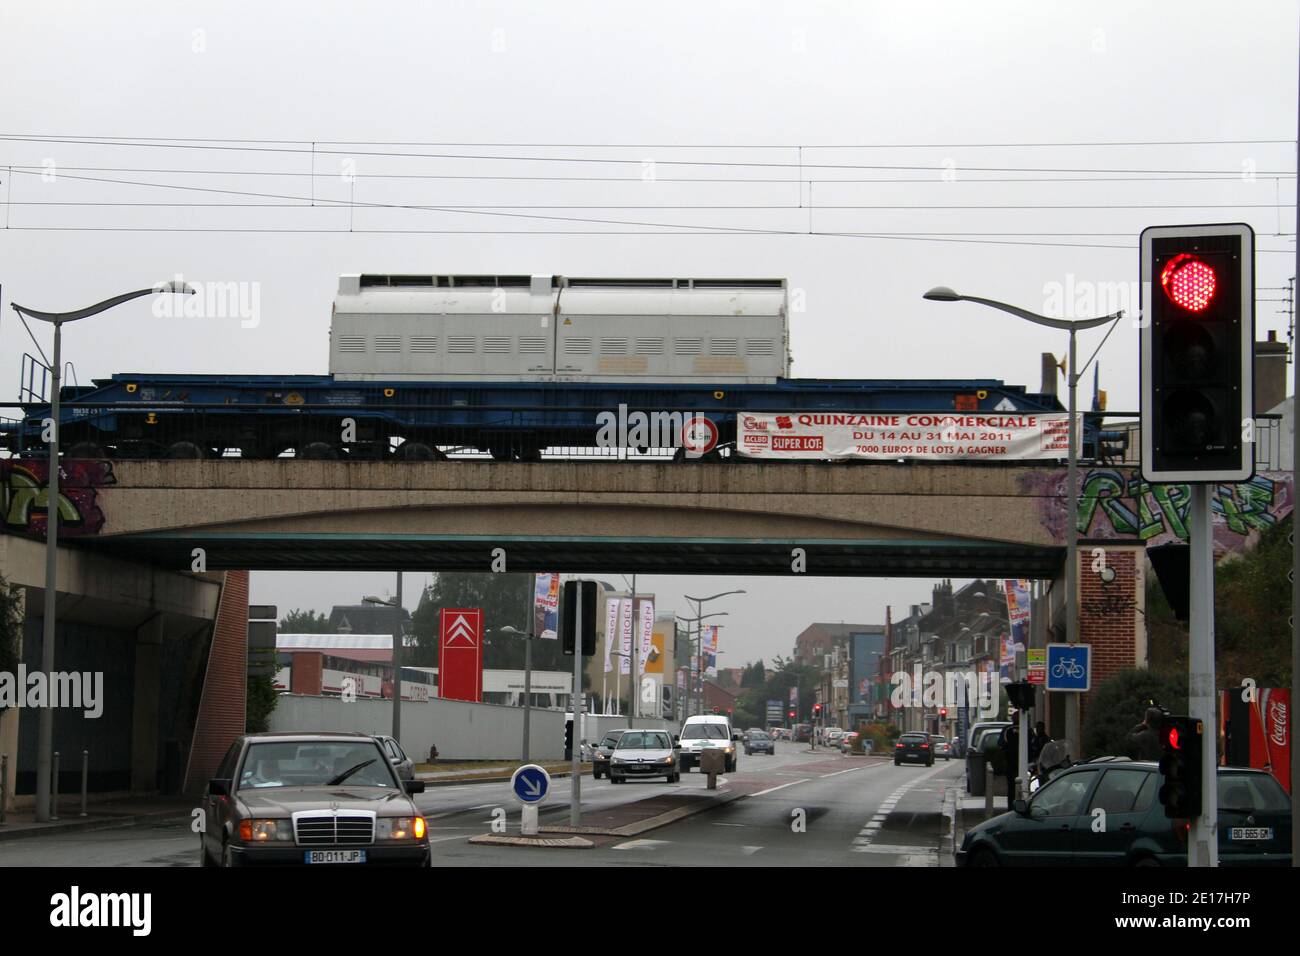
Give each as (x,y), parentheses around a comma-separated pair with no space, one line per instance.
(45,726)
(1073,326)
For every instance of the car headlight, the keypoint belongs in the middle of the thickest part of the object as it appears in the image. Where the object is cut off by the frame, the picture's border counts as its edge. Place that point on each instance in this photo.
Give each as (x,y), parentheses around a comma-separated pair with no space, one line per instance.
(731,750)
(399,828)
(667,760)
(265,831)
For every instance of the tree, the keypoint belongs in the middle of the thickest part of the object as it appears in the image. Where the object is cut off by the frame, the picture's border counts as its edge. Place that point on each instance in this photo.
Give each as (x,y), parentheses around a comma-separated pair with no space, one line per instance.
(506,600)
(304,622)
(260,702)
(1120,704)
(11,623)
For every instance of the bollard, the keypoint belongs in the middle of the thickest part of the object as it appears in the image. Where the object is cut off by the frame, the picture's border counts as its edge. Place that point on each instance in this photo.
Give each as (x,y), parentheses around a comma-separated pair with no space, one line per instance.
(4,775)
(988,789)
(54,788)
(85,778)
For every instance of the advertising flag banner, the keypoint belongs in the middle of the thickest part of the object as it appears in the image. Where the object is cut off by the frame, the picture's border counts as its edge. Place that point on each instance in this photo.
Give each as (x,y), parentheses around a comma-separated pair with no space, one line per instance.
(647,632)
(711,651)
(546,606)
(925,436)
(625,617)
(460,654)
(611,631)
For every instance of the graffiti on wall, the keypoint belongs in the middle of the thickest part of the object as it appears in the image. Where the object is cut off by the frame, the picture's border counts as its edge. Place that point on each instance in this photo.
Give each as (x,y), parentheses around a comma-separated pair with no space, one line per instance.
(24,497)
(1116,503)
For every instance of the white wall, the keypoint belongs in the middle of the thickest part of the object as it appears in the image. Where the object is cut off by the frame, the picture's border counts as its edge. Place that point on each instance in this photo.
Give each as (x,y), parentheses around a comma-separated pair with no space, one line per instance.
(461,730)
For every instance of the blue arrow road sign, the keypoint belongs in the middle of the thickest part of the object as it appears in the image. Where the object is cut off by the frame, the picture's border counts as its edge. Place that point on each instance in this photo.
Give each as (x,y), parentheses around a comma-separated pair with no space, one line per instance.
(530,784)
(1069,667)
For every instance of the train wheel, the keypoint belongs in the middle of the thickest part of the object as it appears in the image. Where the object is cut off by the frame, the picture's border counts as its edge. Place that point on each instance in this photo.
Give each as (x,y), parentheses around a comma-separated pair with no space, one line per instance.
(318,451)
(84,449)
(418,451)
(186,449)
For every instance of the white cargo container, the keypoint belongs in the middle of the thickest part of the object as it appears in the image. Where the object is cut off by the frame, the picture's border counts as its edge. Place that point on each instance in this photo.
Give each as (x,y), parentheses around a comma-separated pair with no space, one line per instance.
(553,328)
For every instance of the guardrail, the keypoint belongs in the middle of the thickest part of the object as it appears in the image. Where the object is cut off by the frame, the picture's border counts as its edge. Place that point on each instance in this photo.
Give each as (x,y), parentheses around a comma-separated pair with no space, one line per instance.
(456,431)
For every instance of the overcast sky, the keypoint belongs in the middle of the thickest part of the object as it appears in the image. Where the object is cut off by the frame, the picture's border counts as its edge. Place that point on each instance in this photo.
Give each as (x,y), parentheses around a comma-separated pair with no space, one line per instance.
(936,105)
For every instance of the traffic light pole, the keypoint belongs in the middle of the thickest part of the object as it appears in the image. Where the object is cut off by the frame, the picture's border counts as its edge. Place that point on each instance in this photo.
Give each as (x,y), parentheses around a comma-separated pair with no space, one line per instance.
(1203,841)
(575,804)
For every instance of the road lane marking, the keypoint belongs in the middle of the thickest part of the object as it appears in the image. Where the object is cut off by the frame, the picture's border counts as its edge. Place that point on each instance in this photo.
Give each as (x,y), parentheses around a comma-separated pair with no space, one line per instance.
(836,773)
(862,843)
(781,787)
(641,845)
(750,850)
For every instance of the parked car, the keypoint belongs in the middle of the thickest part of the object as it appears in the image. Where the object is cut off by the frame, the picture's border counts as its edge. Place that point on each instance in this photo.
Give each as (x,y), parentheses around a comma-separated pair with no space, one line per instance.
(980,738)
(403,764)
(846,741)
(832,736)
(702,732)
(643,753)
(759,743)
(914,747)
(1057,825)
(979,727)
(802,733)
(600,753)
(941,746)
(292,798)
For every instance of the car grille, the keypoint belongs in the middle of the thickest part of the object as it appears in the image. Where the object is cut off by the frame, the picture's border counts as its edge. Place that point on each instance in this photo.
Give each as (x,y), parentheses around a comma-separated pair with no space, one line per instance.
(330,829)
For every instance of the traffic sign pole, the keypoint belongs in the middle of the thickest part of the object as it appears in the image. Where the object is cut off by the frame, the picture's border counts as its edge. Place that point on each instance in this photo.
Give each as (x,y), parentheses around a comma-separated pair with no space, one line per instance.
(1203,841)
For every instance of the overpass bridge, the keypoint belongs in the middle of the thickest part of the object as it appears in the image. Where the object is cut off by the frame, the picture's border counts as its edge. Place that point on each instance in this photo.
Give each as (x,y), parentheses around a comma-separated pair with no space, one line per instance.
(717,518)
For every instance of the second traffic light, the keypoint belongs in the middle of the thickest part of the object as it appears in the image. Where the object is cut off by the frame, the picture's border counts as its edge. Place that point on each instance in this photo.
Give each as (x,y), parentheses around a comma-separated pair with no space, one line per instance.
(1180,766)
(576,592)
(1197,353)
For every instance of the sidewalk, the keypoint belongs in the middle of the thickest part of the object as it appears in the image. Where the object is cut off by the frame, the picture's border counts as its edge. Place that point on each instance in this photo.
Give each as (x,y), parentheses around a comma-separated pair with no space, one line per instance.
(967,812)
(127,811)
(498,772)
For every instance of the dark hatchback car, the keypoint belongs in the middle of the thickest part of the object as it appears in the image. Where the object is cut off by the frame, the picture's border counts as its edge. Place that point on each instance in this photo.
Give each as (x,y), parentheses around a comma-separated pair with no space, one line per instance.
(914,748)
(758,742)
(1056,826)
(600,754)
(299,798)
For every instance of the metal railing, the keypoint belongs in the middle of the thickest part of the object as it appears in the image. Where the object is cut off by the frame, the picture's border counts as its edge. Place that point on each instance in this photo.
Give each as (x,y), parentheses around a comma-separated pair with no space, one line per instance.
(140,429)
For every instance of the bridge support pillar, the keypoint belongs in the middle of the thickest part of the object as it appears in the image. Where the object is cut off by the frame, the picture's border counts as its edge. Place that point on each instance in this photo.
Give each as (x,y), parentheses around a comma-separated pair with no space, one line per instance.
(144,716)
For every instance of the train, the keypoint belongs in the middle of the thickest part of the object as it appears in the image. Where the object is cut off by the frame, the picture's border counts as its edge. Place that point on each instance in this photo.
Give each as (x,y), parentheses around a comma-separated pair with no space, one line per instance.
(515,367)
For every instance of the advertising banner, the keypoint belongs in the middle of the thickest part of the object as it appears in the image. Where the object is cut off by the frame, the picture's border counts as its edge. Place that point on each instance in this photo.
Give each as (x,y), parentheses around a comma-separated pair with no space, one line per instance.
(1256,730)
(1037,660)
(611,631)
(647,608)
(460,654)
(925,436)
(625,618)
(711,651)
(546,606)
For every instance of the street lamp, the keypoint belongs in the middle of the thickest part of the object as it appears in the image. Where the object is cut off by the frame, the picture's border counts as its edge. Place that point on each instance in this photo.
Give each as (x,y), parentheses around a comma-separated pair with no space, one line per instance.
(45,726)
(398,635)
(1073,326)
(528,675)
(699,616)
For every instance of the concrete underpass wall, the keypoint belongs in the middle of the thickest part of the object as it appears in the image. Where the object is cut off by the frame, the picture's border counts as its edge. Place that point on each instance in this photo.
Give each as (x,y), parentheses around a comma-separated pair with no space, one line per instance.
(459,729)
(87,650)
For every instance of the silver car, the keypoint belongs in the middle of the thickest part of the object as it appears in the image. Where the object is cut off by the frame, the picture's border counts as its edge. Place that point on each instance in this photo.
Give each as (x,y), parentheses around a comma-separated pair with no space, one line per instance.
(644,753)
(403,764)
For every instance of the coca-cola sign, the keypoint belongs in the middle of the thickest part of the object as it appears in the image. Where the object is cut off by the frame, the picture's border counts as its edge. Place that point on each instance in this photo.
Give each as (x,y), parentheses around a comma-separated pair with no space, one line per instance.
(1277,724)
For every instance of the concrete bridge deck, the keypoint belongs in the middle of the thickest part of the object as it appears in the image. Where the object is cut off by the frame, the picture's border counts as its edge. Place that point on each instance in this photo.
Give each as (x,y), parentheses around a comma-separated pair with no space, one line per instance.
(851,519)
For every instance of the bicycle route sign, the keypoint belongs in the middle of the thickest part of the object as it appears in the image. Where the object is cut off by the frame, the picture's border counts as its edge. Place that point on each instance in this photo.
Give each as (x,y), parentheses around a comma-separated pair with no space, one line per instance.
(1069,667)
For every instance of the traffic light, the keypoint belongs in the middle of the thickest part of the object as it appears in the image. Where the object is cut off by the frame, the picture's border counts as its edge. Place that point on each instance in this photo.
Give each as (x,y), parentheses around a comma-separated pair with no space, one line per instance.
(1180,765)
(943,713)
(817,710)
(568,739)
(1198,352)
(792,715)
(575,591)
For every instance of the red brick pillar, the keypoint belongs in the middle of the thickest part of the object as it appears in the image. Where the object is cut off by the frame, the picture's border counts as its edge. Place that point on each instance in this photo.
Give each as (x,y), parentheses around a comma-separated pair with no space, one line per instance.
(307,673)
(223,706)
(1112,613)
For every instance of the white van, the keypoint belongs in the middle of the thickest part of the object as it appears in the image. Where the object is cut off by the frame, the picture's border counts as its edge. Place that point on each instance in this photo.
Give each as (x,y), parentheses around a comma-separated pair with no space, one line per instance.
(705,732)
